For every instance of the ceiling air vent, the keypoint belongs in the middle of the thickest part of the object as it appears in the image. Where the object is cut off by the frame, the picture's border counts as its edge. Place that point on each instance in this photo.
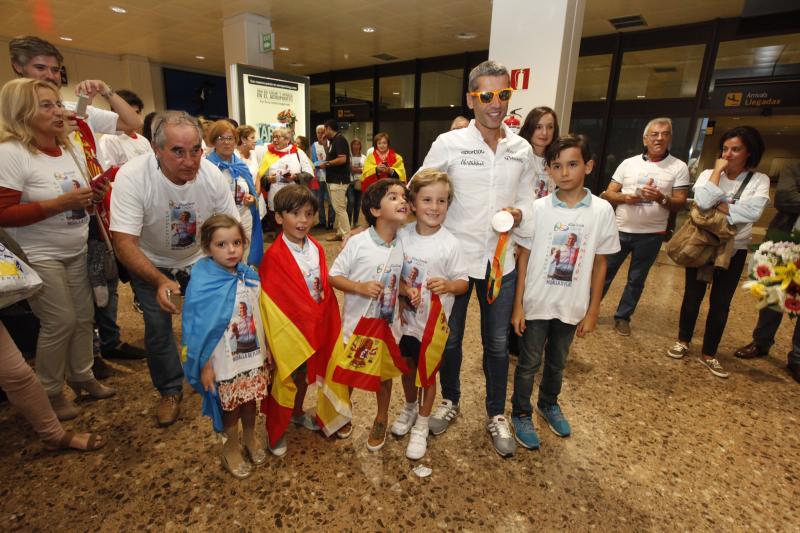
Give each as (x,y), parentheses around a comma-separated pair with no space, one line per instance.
(664,70)
(385,57)
(632,21)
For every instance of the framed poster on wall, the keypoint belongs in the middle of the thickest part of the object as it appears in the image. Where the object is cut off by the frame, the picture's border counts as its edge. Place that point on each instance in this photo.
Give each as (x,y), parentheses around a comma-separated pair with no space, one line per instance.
(267,99)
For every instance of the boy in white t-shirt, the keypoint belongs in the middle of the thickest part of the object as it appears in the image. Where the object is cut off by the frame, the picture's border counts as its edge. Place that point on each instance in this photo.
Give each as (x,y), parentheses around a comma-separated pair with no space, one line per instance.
(561,270)
(433,265)
(364,269)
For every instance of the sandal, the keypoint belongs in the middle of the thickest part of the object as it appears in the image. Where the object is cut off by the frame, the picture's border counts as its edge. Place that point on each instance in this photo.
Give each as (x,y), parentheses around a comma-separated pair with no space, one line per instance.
(242,471)
(95,442)
(377,436)
(258,456)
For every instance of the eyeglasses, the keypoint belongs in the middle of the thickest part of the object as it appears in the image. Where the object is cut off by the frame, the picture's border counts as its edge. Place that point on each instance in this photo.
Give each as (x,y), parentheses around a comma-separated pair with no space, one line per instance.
(657,134)
(225,139)
(486,97)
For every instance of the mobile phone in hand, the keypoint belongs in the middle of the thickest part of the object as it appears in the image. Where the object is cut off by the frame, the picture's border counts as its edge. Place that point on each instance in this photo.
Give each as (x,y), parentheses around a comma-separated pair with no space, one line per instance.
(80,107)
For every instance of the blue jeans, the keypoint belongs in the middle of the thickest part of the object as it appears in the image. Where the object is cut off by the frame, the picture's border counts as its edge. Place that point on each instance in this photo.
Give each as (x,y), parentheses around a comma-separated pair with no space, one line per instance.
(643,248)
(553,339)
(105,319)
(322,197)
(764,335)
(495,318)
(159,341)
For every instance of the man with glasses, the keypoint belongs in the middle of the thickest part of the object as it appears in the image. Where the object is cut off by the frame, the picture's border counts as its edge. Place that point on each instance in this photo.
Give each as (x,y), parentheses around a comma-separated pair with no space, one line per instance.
(159,203)
(645,188)
(492,170)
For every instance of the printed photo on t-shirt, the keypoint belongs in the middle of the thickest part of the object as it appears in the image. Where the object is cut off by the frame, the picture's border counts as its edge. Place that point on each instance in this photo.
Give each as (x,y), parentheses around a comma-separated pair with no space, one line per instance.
(239,189)
(646,179)
(564,252)
(414,276)
(68,184)
(183,225)
(243,329)
(388,296)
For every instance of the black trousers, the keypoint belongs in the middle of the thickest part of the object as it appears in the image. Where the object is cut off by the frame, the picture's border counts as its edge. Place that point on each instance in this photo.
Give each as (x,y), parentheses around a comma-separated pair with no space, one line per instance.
(723,287)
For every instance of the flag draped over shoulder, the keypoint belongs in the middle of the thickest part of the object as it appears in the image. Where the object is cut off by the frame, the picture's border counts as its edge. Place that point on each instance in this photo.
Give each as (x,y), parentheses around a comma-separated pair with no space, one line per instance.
(370,356)
(434,339)
(370,173)
(299,330)
(207,311)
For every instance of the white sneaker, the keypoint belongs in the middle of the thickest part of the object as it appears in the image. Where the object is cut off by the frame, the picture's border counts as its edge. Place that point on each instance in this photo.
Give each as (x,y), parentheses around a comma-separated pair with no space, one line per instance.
(407,417)
(442,416)
(417,443)
(678,350)
(503,441)
(280,447)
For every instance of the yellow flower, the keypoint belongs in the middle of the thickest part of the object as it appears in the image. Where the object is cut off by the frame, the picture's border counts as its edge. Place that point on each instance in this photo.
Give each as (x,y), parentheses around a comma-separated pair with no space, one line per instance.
(758,290)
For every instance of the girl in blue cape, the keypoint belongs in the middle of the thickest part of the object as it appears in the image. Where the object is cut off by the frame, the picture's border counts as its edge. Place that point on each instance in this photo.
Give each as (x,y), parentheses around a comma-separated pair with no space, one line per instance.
(226,358)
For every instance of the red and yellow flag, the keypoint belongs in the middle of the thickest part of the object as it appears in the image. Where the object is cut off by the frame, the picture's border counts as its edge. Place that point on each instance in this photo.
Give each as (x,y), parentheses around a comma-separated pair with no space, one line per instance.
(370,356)
(298,329)
(434,339)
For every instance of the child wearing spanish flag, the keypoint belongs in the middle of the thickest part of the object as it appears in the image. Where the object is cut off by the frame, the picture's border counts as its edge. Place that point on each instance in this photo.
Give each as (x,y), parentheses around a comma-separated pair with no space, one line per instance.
(367,268)
(301,316)
(434,273)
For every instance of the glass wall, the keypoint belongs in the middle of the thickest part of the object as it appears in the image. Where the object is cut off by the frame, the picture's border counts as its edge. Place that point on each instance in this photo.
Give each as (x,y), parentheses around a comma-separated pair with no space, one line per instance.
(397,92)
(353,91)
(777,55)
(320,96)
(358,130)
(442,88)
(661,73)
(401,139)
(428,131)
(591,78)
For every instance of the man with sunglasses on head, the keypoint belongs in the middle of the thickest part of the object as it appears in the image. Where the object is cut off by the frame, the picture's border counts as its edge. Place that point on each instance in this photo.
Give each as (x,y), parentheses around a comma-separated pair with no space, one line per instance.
(492,170)
(159,203)
(645,188)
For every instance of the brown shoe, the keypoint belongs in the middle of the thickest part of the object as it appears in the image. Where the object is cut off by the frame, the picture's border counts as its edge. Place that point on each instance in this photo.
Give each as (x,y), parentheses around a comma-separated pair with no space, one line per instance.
(751,351)
(94,388)
(334,237)
(794,371)
(377,436)
(168,409)
(64,408)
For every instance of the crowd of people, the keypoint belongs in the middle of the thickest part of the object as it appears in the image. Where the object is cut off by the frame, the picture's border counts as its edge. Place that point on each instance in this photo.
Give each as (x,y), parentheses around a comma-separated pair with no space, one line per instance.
(503,214)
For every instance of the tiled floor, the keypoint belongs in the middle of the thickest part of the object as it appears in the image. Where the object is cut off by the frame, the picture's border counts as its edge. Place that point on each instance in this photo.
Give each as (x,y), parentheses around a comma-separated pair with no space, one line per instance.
(657,444)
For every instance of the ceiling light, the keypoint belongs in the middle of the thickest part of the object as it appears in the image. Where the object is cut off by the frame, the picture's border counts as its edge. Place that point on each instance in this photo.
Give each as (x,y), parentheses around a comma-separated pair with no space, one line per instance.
(396,93)
(452,105)
(640,96)
(65,38)
(118,10)
(296,64)
(283,48)
(200,57)
(465,35)
(368,29)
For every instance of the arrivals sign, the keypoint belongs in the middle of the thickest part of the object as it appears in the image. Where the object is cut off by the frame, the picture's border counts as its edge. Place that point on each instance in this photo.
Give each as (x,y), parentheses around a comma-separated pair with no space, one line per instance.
(267,99)
(755,96)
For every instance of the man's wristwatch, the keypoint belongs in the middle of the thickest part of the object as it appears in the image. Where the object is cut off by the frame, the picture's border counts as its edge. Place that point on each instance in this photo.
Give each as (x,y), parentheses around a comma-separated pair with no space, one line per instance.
(664,200)
(109,93)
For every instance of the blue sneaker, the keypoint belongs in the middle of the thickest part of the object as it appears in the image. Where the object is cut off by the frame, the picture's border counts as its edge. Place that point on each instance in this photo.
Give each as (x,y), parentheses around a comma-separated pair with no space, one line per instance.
(555,419)
(524,432)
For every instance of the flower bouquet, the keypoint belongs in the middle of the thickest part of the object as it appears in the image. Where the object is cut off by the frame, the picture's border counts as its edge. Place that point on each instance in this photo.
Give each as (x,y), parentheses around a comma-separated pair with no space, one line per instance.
(287,117)
(775,277)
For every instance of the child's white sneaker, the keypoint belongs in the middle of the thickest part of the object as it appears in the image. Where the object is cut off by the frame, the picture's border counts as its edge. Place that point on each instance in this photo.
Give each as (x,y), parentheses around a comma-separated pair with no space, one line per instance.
(417,443)
(407,417)
(280,447)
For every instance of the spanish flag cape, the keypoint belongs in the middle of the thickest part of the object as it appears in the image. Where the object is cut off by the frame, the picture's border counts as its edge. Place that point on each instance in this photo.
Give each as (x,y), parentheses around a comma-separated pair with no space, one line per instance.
(434,339)
(207,311)
(300,330)
(239,169)
(369,175)
(272,156)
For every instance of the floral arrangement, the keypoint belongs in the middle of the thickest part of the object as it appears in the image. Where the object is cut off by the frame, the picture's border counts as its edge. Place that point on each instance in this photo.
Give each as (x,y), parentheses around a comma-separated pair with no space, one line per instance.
(775,277)
(287,117)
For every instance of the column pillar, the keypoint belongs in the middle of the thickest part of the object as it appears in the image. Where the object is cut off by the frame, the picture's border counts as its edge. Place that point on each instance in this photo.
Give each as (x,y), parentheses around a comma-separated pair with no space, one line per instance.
(137,76)
(539,43)
(242,43)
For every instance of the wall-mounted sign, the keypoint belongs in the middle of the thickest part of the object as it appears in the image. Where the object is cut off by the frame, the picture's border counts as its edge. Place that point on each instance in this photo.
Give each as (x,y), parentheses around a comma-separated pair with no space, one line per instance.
(352,112)
(267,42)
(755,96)
(520,78)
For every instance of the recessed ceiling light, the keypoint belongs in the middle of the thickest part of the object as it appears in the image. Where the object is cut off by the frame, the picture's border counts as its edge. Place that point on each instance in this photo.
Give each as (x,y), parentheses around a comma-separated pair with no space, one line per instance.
(396,93)
(283,48)
(118,10)
(466,35)
(640,96)
(200,57)
(65,38)
(452,105)
(296,64)
(368,29)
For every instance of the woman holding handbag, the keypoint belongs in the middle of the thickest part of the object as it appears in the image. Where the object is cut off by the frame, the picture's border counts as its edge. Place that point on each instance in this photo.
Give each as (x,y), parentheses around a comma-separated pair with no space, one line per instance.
(735,189)
(38,205)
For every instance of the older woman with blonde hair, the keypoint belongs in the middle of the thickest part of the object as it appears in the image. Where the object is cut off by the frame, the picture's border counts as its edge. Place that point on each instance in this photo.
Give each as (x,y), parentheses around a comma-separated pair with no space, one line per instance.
(44,197)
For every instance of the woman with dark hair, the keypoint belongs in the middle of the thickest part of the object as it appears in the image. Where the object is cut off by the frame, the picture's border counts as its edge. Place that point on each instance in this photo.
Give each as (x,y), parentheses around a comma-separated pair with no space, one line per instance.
(539,129)
(735,189)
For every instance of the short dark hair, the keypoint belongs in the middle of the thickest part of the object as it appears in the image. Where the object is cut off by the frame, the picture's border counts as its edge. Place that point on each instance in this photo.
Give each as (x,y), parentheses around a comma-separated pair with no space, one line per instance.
(371,198)
(131,98)
(294,196)
(147,128)
(566,142)
(332,123)
(529,126)
(751,138)
(23,49)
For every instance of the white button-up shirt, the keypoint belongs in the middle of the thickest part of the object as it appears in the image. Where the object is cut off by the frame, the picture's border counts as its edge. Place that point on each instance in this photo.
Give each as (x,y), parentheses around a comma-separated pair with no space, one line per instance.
(484,182)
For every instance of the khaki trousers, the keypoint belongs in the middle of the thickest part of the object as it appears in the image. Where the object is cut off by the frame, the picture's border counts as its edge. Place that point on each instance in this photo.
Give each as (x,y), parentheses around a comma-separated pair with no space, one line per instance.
(338,193)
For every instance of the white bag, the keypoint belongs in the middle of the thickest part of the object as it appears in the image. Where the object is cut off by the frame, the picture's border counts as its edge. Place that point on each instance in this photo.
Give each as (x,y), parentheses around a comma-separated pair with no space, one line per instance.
(18,280)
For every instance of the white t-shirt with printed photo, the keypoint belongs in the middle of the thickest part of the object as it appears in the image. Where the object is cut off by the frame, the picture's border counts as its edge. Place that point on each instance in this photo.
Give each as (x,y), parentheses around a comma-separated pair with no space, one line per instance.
(563,246)
(291,163)
(42,177)
(167,217)
(240,348)
(543,184)
(307,259)
(426,257)
(647,216)
(363,259)
(239,189)
(119,149)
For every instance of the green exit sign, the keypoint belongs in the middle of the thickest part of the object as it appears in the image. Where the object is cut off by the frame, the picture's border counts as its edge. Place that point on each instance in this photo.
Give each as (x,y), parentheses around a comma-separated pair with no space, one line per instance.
(267,42)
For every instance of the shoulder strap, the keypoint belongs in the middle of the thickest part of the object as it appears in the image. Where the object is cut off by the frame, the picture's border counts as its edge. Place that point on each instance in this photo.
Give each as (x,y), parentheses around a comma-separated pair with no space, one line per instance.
(742,187)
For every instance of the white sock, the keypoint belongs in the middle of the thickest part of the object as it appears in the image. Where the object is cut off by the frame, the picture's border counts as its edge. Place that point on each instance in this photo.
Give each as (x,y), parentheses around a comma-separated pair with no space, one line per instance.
(422,422)
(410,406)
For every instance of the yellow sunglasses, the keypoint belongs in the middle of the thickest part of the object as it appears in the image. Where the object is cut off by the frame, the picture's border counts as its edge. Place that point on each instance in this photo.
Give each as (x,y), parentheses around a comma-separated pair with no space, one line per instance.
(486,97)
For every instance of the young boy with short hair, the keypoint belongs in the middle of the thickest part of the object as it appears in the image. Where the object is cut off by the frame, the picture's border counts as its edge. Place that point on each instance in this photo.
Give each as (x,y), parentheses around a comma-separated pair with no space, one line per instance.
(367,270)
(300,312)
(434,273)
(561,270)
